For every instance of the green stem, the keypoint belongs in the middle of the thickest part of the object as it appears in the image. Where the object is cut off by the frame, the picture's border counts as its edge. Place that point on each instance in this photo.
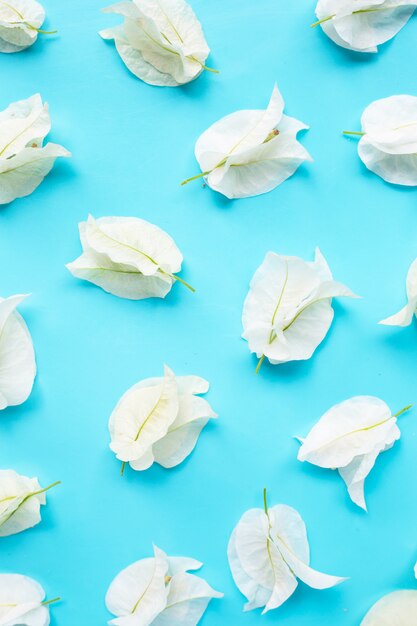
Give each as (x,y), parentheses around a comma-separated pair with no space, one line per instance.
(325,19)
(406,408)
(258,367)
(353,132)
(375,10)
(183,282)
(48,602)
(189,180)
(210,69)
(36,493)
(265,502)
(122,471)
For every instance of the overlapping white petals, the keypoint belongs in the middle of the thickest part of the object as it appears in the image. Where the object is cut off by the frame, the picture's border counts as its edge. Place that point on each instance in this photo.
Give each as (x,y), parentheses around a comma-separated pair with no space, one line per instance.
(160,41)
(20,501)
(250,152)
(362,25)
(349,437)
(22,602)
(127,257)
(17,357)
(398,608)
(406,315)
(388,144)
(24,160)
(268,551)
(159,591)
(288,312)
(159,420)
(20,22)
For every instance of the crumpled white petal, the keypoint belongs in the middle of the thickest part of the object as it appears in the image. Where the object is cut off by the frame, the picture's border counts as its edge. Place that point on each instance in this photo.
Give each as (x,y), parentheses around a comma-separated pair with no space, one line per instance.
(268,551)
(288,312)
(398,608)
(159,591)
(405,316)
(24,160)
(248,153)
(20,21)
(17,357)
(388,144)
(20,501)
(362,25)
(127,257)
(159,420)
(160,41)
(349,437)
(21,601)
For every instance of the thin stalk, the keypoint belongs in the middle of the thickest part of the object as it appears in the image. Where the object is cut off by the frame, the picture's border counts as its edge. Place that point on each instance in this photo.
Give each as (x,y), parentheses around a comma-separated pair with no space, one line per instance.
(183,282)
(353,132)
(48,602)
(36,493)
(375,10)
(122,471)
(406,408)
(325,19)
(258,367)
(189,180)
(265,502)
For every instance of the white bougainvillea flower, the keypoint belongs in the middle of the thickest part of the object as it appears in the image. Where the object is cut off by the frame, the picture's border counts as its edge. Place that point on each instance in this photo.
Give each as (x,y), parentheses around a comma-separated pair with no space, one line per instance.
(349,437)
(22,602)
(250,152)
(288,311)
(398,608)
(159,420)
(362,25)
(20,501)
(159,591)
(24,160)
(17,358)
(388,144)
(20,22)
(268,551)
(128,257)
(406,315)
(160,41)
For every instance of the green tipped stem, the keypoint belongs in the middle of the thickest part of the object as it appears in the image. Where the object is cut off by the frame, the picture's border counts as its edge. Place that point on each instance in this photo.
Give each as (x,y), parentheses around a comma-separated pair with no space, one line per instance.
(36,493)
(406,408)
(325,19)
(196,177)
(265,502)
(48,602)
(122,470)
(210,69)
(353,132)
(258,367)
(183,282)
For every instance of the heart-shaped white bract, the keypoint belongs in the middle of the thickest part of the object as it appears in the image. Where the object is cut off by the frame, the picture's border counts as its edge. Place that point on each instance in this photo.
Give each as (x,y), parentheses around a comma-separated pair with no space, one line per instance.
(395,609)
(159,420)
(362,25)
(288,311)
(159,591)
(127,257)
(20,501)
(17,358)
(160,41)
(250,152)
(24,160)
(388,144)
(20,22)
(406,315)
(268,551)
(349,437)
(22,602)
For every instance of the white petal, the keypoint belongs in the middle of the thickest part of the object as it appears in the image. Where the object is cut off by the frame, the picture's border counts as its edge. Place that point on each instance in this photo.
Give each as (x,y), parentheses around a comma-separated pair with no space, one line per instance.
(22,123)
(391,124)
(19,20)
(399,169)
(20,502)
(395,609)
(20,602)
(23,173)
(138,592)
(142,417)
(17,358)
(405,316)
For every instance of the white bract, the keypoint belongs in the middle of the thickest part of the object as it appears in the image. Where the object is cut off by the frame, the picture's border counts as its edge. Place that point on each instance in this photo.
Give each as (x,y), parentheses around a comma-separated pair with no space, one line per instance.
(268,551)
(128,257)
(159,591)
(22,602)
(17,358)
(159,420)
(160,41)
(349,437)
(362,25)
(398,608)
(288,310)
(406,315)
(20,501)
(24,160)
(20,22)
(250,152)
(388,144)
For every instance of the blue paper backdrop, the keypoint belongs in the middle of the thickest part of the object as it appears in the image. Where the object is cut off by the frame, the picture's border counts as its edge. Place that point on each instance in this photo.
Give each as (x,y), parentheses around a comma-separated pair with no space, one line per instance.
(132,144)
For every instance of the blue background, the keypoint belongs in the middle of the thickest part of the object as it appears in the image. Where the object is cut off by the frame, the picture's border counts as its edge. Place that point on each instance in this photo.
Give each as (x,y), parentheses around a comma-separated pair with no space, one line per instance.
(132,144)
